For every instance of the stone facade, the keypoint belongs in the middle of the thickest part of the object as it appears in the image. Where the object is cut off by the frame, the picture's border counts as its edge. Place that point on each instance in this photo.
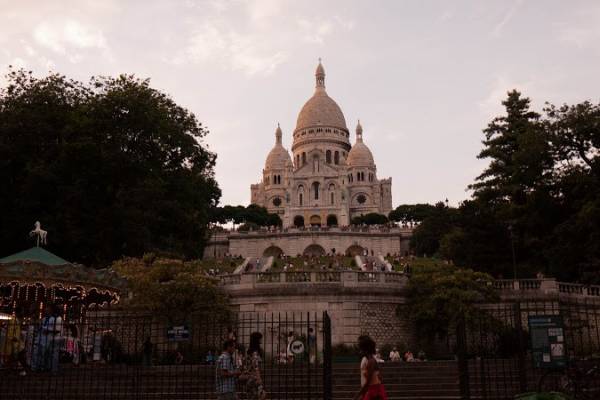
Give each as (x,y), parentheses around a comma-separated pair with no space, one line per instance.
(377,241)
(350,298)
(328,181)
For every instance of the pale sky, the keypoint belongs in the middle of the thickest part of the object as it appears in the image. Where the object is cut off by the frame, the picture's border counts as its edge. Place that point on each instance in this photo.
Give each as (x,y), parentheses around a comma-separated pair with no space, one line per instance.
(424,77)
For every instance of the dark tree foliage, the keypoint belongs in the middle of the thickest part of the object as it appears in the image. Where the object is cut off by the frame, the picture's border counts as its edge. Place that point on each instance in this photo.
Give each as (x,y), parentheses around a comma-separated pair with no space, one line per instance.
(407,213)
(253,216)
(438,221)
(540,194)
(370,219)
(519,154)
(111,167)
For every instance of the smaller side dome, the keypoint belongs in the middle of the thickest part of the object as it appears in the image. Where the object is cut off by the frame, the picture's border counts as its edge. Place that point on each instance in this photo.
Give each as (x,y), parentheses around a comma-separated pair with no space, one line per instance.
(360,155)
(278,157)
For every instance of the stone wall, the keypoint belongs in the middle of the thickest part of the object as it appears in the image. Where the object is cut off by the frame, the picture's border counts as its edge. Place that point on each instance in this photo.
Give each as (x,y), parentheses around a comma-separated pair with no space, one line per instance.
(293,242)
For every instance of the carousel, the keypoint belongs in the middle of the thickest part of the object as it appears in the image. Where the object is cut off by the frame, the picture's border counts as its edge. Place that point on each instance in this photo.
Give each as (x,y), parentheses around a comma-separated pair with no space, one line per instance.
(35,278)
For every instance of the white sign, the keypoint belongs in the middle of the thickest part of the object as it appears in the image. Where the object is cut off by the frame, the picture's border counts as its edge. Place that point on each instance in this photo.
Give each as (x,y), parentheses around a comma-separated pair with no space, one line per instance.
(297,346)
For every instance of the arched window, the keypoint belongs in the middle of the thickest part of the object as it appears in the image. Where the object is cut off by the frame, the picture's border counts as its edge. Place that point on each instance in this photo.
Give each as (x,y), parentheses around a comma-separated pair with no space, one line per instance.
(315,188)
(316,163)
(300,194)
(303,158)
(297,160)
(332,194)
(328,156)
(336,158)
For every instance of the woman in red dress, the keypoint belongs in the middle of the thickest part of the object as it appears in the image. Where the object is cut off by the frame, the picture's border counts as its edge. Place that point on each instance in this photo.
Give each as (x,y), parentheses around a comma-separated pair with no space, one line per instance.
(370,377)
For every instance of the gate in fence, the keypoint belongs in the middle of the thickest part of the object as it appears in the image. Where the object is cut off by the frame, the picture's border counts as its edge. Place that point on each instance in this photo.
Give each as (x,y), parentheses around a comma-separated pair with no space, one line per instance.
(130,356)
(500,356)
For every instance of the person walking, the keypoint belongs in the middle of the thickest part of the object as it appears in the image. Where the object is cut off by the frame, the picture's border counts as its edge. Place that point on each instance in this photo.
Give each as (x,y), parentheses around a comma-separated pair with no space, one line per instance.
(370,378)
(255,389)
(226,373)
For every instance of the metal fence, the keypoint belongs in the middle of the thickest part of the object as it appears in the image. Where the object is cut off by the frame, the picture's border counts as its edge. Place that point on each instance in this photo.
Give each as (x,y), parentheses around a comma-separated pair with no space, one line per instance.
(496,359)
(130,356)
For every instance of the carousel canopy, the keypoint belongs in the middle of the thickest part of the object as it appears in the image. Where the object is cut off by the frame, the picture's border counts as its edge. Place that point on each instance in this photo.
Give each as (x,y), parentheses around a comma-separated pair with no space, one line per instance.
(35,254)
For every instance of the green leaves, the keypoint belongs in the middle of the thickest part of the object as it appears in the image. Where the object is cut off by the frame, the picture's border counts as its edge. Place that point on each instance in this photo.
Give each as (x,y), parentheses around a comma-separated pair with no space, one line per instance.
(111,167)
(171,288)
(439,296)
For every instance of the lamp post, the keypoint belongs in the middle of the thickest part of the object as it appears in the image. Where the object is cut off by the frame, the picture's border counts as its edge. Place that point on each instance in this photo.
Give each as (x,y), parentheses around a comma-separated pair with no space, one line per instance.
(512,246)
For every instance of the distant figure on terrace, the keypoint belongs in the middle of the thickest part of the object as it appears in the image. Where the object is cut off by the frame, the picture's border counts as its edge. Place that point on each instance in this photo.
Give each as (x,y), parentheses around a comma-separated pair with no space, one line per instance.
(395,355)
(408,356)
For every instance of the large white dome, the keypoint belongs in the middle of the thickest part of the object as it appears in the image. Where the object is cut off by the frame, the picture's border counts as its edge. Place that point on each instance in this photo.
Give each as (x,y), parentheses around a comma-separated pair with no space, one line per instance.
(320,109)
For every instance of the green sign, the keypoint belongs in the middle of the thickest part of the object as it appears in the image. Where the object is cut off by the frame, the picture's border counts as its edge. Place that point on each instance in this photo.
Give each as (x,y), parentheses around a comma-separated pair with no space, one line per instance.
(547,341)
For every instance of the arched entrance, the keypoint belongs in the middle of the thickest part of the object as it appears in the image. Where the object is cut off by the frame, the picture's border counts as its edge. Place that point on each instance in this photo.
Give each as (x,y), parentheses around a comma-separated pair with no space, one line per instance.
(354,250)
(315,220)
(314,250)
(272,251)
(332,220)
(299,221)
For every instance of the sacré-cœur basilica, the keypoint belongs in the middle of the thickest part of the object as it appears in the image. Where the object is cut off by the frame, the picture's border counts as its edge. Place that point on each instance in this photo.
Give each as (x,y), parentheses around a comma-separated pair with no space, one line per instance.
(317,190)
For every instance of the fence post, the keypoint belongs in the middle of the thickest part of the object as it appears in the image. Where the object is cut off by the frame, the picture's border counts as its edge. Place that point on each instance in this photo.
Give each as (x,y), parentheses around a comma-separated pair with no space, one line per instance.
(327,375)
(522,348)
(463,362)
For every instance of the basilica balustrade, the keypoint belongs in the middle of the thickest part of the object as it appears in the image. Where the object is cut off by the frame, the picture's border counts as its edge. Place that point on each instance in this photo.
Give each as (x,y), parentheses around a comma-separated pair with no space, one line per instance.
(508,288)
(313,229)
(348,279)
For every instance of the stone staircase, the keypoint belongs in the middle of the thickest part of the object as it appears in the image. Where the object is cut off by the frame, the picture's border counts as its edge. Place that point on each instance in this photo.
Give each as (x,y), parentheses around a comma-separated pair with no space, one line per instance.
(432,380)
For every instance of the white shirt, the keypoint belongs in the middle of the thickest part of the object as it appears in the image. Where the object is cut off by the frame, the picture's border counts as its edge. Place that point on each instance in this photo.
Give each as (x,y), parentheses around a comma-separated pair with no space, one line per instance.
(363,371)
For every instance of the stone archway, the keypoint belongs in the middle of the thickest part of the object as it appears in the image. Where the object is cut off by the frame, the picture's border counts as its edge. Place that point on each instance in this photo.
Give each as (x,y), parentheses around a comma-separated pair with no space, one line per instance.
(332,220)
(299,221)
(315,220)
(274,251)
(314,250)
(355,250)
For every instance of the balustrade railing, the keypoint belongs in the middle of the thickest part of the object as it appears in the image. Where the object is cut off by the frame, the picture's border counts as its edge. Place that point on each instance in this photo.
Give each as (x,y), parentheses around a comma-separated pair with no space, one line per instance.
(231,279)
(328,276)
(297,276)
(529,284)
(570,288)
(268,277)
(368,276)
(353,278)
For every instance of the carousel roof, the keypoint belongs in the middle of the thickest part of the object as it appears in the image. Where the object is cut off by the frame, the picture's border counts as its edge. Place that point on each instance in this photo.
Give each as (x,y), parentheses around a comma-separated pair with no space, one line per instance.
(35,254)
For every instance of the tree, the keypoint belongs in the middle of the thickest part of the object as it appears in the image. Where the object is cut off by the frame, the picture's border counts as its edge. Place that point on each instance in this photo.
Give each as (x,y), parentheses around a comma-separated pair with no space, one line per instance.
(370,219)
(407,213)
(426,237)
(170,288)
(112,167)
(519,153)
(438,297)
(254,215)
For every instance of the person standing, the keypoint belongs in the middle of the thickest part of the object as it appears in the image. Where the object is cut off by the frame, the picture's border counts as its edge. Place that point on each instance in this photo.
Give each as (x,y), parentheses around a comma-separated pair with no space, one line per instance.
(226,373)
(370,378)
(312,345)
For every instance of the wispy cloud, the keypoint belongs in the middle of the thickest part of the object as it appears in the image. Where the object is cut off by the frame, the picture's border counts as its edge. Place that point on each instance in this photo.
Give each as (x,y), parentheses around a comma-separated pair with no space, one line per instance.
(257,44)
(69,38)
(506,18)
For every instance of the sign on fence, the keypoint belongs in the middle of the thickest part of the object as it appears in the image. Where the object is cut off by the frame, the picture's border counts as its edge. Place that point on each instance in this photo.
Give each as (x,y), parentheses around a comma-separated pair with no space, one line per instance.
(547,341)
(178,333)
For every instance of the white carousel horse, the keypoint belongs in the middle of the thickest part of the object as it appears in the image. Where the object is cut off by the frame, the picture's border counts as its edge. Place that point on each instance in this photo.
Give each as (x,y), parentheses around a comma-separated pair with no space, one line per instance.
(39,233)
